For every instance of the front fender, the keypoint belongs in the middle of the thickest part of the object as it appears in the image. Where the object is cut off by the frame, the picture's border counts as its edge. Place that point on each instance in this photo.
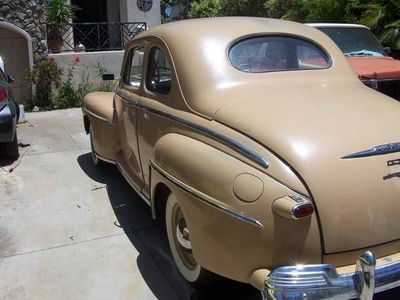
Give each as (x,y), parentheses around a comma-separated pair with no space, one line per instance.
(227,212)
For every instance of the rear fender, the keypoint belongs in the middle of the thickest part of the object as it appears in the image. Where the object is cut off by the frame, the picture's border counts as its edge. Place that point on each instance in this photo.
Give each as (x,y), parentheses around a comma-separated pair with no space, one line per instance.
(227,204)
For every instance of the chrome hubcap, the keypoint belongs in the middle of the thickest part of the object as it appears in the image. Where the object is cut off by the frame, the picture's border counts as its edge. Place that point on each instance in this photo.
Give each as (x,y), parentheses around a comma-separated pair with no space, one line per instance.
(182,235)
(182,238)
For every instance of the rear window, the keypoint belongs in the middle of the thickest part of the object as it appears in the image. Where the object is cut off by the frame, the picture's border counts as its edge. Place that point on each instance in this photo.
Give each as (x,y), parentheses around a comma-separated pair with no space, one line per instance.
(277,53)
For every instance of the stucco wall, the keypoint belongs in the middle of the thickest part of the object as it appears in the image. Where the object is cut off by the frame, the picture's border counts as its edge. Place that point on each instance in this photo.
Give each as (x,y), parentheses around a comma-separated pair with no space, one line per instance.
(109,60)
(130,12)
(29,16)
(14,51)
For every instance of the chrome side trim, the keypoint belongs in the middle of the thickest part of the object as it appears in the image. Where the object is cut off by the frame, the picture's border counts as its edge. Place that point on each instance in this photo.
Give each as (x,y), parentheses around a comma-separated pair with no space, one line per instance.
(127,101)
(246,151)
(374,151)
(324,282)
(105,159)
(127,178)
(379,79)
(96,116)
(206,199)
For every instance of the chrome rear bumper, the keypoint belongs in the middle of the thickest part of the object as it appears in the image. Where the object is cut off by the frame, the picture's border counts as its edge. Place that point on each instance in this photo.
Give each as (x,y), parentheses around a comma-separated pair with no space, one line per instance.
(324,282)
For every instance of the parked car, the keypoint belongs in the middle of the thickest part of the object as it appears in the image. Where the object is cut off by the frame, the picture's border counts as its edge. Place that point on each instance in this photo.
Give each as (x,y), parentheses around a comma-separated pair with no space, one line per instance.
(8,118)
(269,160)
(369,59)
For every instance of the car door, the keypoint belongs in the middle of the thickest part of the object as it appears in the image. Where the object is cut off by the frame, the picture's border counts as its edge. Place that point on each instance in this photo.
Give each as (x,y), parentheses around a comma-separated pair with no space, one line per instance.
(161,97)
(126,100)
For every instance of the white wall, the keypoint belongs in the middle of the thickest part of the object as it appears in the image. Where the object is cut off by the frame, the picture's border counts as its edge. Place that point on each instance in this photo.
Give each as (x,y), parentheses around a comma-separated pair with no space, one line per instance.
(130,12)
(14,50)
(110,60)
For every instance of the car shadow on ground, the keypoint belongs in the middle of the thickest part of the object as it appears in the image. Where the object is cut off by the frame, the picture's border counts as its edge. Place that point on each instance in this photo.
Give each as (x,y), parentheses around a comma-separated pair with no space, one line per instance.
(149,239)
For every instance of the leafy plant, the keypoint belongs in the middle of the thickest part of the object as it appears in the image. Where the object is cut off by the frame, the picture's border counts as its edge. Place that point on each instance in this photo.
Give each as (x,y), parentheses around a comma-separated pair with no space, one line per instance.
(44,76)
(382,16)
(67,95)
(205,8)
(215,8)
(58,13)
(320,10)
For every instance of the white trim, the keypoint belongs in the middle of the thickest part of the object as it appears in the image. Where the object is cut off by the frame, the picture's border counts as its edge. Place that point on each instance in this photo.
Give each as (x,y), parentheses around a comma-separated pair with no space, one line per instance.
(336,25)
(26,35)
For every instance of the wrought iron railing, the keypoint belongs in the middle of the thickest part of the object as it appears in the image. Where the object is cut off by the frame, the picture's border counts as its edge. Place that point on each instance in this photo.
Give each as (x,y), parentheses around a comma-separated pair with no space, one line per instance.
(92,36)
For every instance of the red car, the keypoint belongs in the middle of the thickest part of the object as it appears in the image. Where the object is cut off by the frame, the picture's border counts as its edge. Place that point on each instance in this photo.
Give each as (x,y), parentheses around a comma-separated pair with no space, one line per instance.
(369,59)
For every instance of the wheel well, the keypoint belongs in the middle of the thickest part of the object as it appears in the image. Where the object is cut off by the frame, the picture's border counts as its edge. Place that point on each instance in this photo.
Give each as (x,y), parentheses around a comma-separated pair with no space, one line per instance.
(160,200)
(86,123)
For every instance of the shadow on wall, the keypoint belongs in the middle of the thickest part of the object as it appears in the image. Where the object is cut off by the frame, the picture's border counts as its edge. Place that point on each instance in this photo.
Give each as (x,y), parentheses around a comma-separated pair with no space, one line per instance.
(150,240)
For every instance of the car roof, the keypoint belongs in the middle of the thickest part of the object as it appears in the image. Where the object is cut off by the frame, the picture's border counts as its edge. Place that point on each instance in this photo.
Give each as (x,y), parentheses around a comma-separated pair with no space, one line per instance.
(199,50)
(336,25)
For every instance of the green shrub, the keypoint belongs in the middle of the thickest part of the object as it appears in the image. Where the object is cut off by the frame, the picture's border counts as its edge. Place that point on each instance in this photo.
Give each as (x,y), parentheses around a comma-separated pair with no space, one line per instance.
(68,96)
(44,76)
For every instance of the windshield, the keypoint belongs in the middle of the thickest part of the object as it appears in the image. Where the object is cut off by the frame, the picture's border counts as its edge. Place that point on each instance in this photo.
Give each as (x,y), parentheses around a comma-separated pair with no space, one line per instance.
(355,41)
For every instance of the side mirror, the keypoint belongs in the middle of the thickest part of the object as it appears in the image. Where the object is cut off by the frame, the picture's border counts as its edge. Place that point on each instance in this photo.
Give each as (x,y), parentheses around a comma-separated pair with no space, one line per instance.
(388,50)
(10,79)
(107,77)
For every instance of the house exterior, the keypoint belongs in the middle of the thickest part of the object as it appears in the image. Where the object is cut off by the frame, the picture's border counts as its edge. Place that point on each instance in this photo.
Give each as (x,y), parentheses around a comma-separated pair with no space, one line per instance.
(24,39)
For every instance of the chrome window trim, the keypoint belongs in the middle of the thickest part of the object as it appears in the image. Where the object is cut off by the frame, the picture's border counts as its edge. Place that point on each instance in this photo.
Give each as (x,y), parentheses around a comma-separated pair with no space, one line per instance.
(246,151)
(205,199)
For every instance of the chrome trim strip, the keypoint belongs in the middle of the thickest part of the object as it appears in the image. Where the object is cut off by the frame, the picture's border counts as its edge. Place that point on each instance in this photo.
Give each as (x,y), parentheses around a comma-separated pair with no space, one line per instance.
(246,151)
(324,282)
(105,159)
(205,199)
(374,151)
(126,100)
(86,111)
(127,178)
(379,79)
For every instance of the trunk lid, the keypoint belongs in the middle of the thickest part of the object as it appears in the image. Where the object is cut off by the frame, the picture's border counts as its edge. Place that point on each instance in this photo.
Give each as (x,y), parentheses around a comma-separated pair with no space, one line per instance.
(375,67)
(312,128)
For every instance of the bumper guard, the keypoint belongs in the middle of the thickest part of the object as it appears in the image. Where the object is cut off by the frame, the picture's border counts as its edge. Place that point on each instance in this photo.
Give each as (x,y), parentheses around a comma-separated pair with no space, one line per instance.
(308,282)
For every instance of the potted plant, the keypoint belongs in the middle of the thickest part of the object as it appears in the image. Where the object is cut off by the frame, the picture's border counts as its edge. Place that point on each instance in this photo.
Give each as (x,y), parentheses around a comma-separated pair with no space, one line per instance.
(58,13)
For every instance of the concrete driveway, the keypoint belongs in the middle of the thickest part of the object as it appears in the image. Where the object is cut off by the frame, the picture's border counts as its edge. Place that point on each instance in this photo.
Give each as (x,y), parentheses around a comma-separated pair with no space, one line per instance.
(71,231)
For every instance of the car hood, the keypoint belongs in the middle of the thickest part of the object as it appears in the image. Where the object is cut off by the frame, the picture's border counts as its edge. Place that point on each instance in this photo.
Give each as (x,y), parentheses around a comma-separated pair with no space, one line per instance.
(375,67)
(311,129)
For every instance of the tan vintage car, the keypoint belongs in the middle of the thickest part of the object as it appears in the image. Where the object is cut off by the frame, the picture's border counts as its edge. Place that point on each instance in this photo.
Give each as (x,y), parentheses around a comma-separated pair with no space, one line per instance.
(269,160)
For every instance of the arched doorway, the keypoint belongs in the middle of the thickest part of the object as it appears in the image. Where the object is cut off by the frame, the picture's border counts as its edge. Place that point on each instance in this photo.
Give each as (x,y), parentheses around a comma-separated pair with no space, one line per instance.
(16,51)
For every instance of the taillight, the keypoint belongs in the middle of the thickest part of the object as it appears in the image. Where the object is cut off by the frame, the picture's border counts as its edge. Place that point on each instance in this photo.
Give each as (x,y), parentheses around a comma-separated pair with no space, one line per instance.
(3,94)
(293,207)
(302,211)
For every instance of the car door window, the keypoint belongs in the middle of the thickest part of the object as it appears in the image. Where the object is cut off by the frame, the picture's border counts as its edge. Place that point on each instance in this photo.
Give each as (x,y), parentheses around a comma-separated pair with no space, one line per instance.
(159,72)
(134,68)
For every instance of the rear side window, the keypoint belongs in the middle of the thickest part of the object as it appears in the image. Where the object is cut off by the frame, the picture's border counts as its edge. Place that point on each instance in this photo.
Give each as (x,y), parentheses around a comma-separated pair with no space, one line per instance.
(134,68)
(277,53)
(159,72)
